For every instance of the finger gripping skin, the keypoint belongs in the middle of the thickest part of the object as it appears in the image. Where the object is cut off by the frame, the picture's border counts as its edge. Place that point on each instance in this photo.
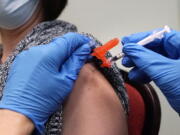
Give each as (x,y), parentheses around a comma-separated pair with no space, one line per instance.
(172,44)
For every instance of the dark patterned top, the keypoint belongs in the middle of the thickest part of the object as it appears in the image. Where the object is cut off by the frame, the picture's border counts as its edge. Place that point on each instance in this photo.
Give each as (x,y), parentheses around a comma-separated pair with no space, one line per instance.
(43,33)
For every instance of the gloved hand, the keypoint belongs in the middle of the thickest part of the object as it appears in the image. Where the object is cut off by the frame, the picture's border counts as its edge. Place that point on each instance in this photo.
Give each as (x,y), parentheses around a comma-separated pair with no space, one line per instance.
(168,46)
(41,77)
(152,65)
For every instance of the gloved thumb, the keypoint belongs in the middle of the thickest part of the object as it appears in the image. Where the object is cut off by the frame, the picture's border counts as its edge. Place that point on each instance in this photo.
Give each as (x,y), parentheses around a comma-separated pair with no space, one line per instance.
(172,44)
(146,60)
(61,48)
(74,63)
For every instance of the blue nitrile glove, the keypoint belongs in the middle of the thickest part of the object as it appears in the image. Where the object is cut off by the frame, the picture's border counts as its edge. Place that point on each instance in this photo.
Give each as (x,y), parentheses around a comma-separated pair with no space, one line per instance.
(168,46)
(165,72)
(42,77)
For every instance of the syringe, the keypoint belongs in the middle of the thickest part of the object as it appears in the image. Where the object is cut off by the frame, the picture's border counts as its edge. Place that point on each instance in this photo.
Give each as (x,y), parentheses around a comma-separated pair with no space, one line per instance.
(145,41)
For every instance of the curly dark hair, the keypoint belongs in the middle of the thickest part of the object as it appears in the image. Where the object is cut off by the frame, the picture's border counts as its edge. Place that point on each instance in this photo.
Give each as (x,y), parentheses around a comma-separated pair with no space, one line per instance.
(53,8)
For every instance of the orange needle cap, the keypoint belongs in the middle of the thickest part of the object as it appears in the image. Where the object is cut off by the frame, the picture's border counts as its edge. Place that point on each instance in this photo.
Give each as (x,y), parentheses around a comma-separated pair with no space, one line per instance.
(100,52)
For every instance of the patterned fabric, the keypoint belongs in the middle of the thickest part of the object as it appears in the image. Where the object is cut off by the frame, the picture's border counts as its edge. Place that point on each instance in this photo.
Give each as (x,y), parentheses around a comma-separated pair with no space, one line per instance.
(43,33)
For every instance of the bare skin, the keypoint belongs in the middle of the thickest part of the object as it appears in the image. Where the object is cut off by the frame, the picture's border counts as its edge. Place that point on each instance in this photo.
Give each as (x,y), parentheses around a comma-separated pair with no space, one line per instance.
(13,123)
(92,108)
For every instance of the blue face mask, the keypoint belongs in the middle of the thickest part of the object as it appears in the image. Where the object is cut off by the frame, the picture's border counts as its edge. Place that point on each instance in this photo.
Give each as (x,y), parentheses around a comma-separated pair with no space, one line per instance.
(15,13)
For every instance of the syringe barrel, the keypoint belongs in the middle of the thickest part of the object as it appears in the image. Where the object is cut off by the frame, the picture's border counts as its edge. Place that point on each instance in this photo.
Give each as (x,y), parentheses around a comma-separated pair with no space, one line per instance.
(155,35)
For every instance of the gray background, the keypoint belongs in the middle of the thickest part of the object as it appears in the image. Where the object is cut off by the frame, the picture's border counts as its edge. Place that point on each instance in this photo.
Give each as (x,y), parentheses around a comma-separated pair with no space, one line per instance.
(106,19)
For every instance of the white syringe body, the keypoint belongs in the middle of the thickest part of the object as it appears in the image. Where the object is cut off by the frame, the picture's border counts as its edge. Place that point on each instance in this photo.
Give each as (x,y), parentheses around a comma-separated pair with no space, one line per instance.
(147,40)
(155,35)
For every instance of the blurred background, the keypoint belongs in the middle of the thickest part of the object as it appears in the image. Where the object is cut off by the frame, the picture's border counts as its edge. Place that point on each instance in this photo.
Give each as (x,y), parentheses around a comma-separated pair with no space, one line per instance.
(106,19)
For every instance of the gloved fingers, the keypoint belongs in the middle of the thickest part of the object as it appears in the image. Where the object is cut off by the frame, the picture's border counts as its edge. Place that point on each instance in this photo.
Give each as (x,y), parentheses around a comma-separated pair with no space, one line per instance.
(127,62)
(156,45)
(146,60)
(134,38)
(63,47)
(172,44)
(73,65)
(138,76)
